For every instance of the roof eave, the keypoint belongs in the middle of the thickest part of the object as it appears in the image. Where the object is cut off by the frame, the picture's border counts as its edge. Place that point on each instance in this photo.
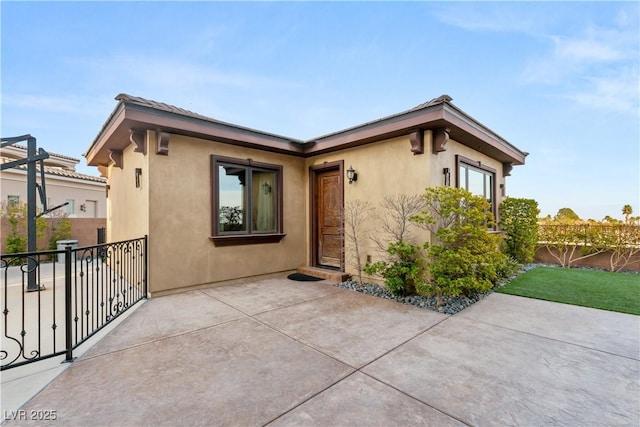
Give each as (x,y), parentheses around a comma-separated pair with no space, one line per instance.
(474,134)
(463,128)
(101,140)
(128,116)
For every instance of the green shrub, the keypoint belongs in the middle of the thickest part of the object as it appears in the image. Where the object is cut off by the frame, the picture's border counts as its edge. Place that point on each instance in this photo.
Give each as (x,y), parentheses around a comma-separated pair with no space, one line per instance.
(404,273)
(464,257)
(16,240)
(519,222)
(507,267)
(60,229)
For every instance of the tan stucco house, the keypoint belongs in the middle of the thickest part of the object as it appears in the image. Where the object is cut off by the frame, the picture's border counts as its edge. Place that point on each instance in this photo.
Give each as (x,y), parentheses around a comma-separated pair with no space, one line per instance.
(221,202)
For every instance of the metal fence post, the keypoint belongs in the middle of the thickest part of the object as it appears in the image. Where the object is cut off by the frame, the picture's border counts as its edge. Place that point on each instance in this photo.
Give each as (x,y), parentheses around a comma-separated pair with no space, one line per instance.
(67,304)
(146,265)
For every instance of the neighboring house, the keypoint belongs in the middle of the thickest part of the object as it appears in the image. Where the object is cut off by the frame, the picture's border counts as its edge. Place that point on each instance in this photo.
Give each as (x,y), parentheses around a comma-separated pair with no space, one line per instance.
(222,202)
(85,194)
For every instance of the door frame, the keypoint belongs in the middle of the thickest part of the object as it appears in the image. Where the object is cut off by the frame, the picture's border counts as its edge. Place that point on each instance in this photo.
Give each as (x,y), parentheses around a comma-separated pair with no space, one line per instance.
(314,171)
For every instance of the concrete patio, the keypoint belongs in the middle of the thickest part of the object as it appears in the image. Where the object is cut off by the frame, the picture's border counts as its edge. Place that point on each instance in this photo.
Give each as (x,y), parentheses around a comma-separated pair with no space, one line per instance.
(277,352)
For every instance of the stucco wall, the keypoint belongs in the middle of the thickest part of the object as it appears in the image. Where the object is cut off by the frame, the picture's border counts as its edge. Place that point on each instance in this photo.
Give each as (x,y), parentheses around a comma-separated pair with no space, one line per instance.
(173,204)
(128,206)
(384,168)
(59,190)
(389,168)
(447,159)
(181,253)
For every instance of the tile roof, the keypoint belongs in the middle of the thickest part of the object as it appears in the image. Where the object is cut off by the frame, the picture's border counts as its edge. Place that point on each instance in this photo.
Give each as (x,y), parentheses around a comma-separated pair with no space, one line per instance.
(49,170)
(133,111)
(61,156)
(161,106)
(435,101)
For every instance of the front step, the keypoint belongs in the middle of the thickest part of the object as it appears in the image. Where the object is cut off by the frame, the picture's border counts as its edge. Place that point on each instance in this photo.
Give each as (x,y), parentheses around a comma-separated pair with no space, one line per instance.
(324,273)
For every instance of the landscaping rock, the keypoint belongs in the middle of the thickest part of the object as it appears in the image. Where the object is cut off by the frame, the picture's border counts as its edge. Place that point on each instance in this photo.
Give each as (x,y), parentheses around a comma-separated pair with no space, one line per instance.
(450,305)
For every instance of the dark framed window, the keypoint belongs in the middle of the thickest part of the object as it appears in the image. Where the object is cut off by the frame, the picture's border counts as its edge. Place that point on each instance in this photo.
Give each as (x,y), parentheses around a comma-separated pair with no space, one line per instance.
(478,179)
(246,201)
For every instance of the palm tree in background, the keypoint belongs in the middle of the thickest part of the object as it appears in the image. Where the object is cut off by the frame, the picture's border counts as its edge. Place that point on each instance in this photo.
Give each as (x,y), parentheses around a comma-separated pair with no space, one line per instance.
(626,211)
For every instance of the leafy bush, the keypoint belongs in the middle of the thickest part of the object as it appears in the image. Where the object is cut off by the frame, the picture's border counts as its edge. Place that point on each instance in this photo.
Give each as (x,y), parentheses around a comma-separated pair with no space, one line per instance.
(465,257)
(566,215)
(402,267)
(16,215)
(507,267)
(60,228)
(519,222)
(569,243)
(404,273)
(16,241)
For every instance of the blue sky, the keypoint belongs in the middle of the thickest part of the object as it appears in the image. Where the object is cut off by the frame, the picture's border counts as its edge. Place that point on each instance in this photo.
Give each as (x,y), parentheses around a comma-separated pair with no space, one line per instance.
(558,80)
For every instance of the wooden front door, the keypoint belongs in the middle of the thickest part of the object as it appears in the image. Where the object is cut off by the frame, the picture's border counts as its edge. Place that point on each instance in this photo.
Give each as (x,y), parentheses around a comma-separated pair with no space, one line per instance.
(328,214)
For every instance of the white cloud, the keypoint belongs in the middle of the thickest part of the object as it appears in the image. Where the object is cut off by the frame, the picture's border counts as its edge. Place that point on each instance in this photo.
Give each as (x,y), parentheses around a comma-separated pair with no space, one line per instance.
(595,66)
(494,17)
(86,105)
(582,55)
(597,69)
(586,49)
(66,104)
(177,72)
(619,93)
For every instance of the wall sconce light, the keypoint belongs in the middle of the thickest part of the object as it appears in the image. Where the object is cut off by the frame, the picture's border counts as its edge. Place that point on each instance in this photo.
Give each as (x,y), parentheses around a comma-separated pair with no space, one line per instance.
(138,175)
(352,175)
(266,188)
(83,207)
(503,192)
(106,190)
(447,177)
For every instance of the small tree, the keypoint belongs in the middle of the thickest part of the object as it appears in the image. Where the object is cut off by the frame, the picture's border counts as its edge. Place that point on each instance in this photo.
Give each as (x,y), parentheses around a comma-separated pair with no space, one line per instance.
(464,257)
(519,222)
(394,219)
(402,268)
(609,219)
(16,241)
(568,243)
(16,215)
(566,215)
(60,227)
(627,211)
(623,242)
(356,214)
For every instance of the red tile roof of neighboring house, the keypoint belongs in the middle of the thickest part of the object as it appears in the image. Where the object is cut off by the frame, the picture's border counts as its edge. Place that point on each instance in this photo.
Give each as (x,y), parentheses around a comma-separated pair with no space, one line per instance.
(50,153)
(49,170)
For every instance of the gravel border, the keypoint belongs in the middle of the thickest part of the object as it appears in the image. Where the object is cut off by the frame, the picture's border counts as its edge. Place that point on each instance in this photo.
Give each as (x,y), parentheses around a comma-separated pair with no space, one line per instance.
(450,305)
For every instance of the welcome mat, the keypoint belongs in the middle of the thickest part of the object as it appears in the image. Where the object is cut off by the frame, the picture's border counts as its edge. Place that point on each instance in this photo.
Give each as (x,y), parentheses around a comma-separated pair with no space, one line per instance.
(299,277)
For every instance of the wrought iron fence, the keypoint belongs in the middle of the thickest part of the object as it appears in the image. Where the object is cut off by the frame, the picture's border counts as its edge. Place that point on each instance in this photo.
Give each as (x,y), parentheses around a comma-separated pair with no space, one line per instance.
(53,301)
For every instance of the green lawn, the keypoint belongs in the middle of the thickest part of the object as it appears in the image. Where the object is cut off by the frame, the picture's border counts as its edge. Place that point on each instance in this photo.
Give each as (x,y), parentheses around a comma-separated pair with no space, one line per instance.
(588,288)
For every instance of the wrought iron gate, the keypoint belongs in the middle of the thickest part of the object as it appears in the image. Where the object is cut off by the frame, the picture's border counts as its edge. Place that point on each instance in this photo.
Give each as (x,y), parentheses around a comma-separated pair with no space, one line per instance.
(79,292)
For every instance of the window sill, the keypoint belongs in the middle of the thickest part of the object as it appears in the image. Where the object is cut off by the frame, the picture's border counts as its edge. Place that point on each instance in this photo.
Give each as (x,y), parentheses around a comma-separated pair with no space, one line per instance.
(246,239)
